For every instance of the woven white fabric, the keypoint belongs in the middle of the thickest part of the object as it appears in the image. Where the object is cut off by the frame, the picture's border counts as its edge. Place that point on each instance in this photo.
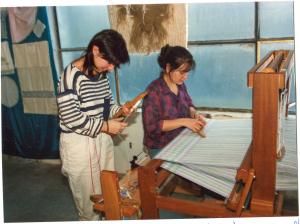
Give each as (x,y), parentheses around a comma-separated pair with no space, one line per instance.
(212,162)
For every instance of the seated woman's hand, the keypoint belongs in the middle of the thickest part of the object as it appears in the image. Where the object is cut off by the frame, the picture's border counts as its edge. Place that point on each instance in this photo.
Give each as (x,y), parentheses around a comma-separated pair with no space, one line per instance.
(197,116)
(194,124)
(200,118)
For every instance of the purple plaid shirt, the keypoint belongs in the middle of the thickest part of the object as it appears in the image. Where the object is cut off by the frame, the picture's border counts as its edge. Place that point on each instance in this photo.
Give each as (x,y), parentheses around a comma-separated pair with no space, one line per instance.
(162,104)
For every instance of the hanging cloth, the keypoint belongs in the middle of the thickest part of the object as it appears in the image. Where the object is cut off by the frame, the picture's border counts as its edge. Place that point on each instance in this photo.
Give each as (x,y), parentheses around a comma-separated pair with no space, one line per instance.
(148,27)
(21,22)
(35,75)
(7,64)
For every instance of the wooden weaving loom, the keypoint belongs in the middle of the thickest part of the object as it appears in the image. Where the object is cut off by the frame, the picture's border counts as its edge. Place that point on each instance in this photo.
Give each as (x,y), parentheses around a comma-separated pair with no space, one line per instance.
(256,177)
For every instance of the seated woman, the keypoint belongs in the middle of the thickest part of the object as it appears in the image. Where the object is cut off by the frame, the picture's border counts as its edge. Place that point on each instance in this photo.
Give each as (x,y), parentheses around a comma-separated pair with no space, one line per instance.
(168,108)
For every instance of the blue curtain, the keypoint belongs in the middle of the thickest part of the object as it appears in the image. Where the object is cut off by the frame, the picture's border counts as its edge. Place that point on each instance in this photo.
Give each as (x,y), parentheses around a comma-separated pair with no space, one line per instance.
(30,135)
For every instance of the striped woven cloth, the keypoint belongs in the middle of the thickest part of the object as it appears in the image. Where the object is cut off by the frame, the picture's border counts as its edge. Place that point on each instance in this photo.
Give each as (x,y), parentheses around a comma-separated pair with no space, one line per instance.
(212,161)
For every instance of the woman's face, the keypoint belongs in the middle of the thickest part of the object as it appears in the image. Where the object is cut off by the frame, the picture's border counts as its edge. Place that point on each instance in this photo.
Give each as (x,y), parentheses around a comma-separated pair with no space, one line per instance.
(179,75)
(100,63)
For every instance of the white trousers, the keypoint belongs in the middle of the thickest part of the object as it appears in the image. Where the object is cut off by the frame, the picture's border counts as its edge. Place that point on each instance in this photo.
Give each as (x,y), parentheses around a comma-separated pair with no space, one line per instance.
(82,159)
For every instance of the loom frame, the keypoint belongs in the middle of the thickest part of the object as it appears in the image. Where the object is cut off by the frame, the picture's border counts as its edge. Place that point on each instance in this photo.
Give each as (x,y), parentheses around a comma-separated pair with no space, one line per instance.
(271,84)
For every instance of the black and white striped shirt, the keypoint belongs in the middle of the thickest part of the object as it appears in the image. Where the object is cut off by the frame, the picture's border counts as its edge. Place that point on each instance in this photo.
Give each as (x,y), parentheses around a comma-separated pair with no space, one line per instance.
(84,102)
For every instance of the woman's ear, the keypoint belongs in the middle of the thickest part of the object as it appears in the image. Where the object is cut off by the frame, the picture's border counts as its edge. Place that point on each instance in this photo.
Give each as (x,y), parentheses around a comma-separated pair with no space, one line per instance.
(168,67)
(95,50)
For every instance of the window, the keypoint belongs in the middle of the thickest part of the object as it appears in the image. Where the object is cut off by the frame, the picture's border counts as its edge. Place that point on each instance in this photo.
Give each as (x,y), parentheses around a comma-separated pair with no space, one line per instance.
(76,26)
(276,19)
(220,79)
(226,40)
(221,21)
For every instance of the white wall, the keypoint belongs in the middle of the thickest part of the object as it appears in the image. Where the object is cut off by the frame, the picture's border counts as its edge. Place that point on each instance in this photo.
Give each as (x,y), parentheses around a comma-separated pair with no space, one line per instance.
(130,143)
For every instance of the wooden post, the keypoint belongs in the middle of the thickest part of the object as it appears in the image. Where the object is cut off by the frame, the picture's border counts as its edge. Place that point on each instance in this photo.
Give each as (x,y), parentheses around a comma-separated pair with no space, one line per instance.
(267,82)
(111,195)
(265,125)
(147,185)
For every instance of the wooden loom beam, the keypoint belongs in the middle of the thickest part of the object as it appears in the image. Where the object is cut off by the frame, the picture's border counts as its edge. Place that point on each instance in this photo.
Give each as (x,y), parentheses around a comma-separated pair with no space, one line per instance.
(261,65)
(275,64)
(244,179)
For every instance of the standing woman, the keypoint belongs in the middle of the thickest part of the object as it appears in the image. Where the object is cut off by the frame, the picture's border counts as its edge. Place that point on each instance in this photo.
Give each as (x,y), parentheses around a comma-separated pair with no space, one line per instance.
(168,108)
(85,105)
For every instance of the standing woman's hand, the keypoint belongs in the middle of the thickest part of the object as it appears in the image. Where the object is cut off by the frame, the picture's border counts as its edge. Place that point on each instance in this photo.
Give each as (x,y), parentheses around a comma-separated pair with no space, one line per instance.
(114,126)
(126,111)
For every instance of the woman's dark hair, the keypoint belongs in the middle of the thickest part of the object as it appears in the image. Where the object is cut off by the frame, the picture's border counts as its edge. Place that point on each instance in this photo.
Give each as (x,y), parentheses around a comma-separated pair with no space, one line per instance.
(112,46)
(175,56)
